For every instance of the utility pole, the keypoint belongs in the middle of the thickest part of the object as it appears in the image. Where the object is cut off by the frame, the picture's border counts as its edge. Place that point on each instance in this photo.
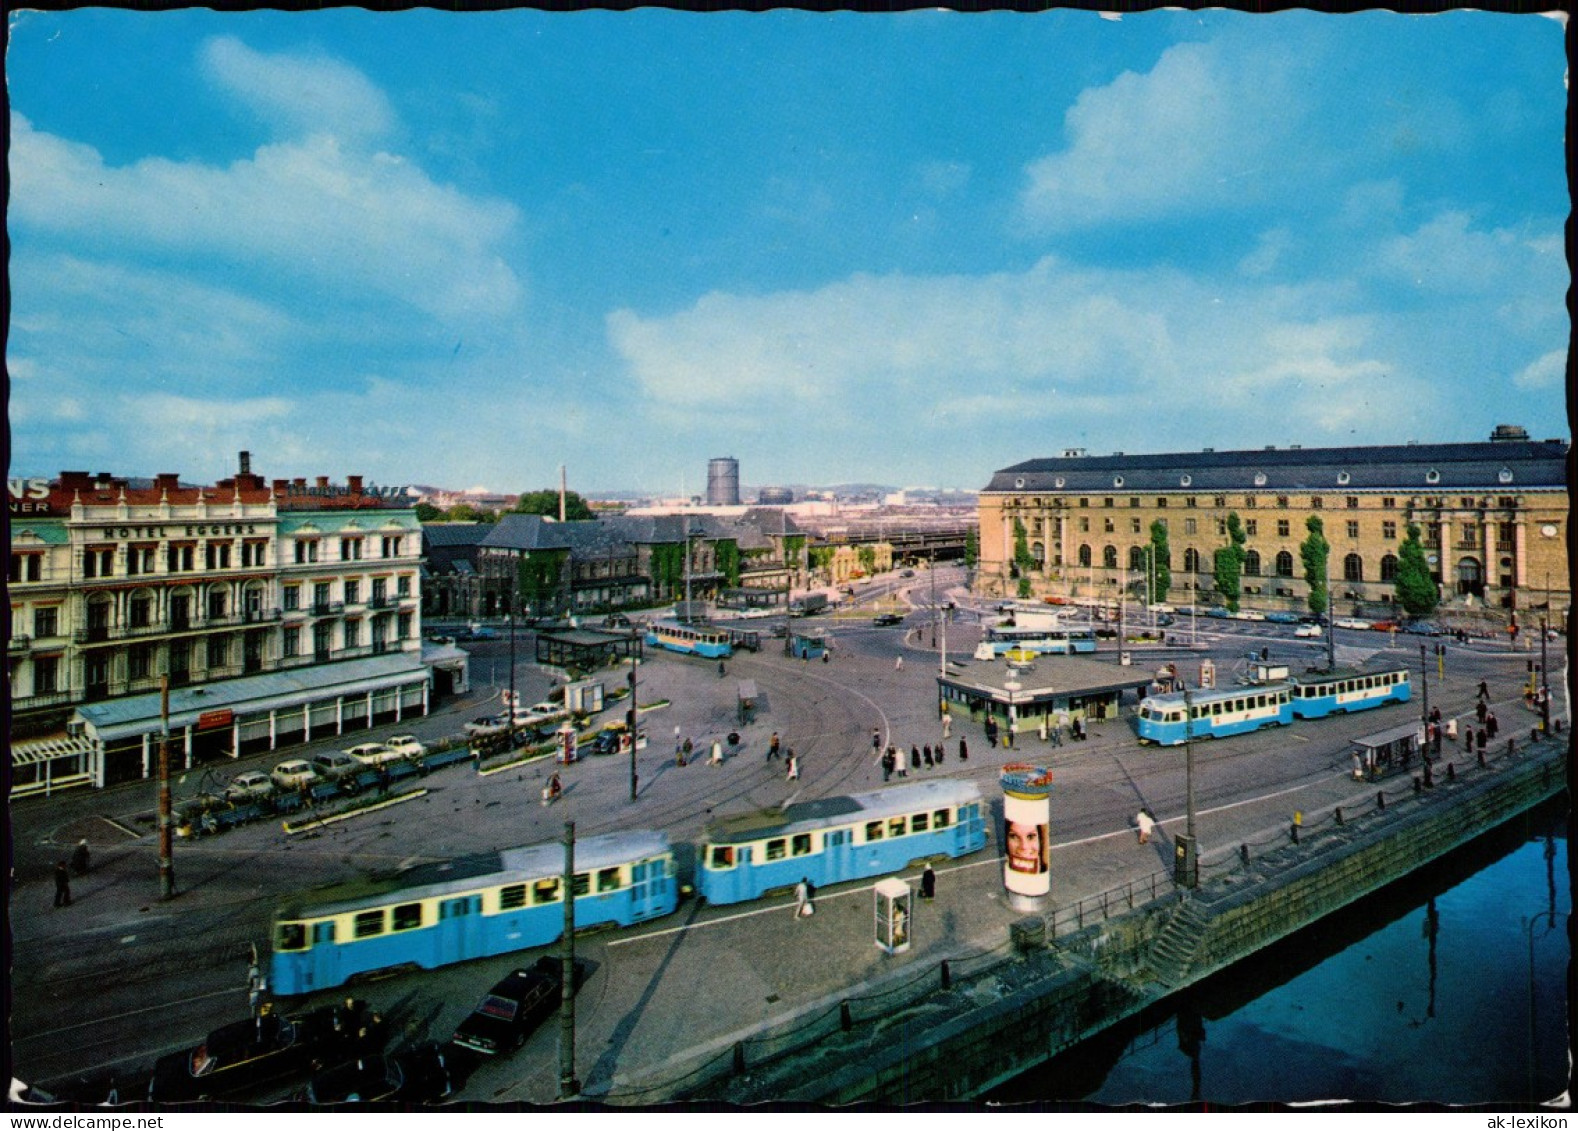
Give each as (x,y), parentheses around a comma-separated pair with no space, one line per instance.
(1545,683)
(1424,711)
(1186,851)
(1331,626)
(630,725)
(510,706)
(569,1086)
(166,821)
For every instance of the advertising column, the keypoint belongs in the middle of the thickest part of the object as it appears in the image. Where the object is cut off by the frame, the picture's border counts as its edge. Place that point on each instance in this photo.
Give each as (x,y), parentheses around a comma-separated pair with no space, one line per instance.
(1027,809)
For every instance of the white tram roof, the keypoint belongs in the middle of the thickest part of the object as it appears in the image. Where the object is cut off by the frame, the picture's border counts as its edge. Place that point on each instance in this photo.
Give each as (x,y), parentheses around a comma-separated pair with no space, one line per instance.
(834,812)
(468,873)
(1212,694)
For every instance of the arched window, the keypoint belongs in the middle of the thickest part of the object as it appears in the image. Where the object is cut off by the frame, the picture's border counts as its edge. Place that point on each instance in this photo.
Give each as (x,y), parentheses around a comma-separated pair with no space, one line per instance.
(1191,560)
(1389,568)
(1252,563)
(1084,555)
(1038,551)
(1136,558)
(1284,564)
(1109,557)
(1353,568)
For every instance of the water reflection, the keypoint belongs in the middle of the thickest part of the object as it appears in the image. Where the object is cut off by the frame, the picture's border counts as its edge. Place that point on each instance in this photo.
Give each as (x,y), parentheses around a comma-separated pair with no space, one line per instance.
(1415,994)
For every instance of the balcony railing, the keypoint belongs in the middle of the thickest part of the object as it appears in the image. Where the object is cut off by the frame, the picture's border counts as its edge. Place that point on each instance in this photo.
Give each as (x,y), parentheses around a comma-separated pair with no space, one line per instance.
(381,601)
(15,645)
(327,608)
(99,634)
(42,700)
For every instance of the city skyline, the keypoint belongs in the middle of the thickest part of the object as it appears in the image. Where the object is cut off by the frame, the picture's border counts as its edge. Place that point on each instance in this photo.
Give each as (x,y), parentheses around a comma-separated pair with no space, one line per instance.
(911,249)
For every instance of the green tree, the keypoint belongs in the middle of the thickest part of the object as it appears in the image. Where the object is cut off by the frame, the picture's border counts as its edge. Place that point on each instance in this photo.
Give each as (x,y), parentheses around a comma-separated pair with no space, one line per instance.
(1417,591)
(537,577)
(547,503)
(1229,561)
(1314,552)
(726,552)
(1024,561)
(868,559)
(1162,554)
(465,512)
(972,547)
(668,567)
(427,512)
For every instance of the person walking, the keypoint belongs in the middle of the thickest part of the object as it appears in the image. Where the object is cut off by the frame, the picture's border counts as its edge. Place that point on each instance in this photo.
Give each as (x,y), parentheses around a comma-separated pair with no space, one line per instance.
(898,758)
(792,763)
(928,883)
(772,747)
(964,750)
(62,885)
(937,752)
(886,761)
(1013,730)
(1041,731)
(717,754)
(1146,823)
(1491,724)
(803,907)
(991,732)
(1055,733)
(898,663)
(1480,739)
(1484,691)
(876,738)
(79,857)
(914,757)
(720,669)
(926,754)
(947,723)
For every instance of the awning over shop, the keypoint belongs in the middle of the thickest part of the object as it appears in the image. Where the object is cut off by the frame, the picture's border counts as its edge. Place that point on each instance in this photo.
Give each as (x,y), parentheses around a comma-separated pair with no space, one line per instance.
(38,750)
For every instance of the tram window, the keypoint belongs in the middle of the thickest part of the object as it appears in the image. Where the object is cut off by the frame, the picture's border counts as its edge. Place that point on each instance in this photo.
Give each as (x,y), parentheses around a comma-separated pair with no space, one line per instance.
(895,826)
(919,822)
(545,891)
(407,916)
(801,844)
(583,883)
(1260,701)
(323,932)
(608,879)
(512,896)
(1216,708)
(939,819)
(775,849)
(368,924)
(291,936)
(873,830)
(722,857)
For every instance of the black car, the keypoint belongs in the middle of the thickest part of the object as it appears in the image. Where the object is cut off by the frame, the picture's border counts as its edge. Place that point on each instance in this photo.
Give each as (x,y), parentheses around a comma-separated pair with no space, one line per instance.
(885,619)
(421,1075)
(247,1053)
(511,1011)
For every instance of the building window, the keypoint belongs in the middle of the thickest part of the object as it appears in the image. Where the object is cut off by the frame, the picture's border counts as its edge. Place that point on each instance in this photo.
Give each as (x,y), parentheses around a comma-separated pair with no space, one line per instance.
(406,623)
(1282,528)
(139,613)
(1136,558)
(403,584)
(320,598)
(1250,502)
(218,651)
(1353,568)
(1389,530)
(1191,560)
(306,550)
(350,549)
(391,545)
(46,675)
(216,555)
(1317,503)
(1107,502)
(1353,528)
(380,591)
(292,597)
(1190,501)
(353,633)
(1284,564)
(1219,501)
(1388,502)
(1282,502)
(252,554)
(98,563)
(1109,557)
(1134,526)
(1134,501)
(1084,525)
(1084,502)
(1084,555)
(46,622)
(139,661)
(1189,526)
(291,639)
(353,592)
(26,567)
(1161,504)
(1252,563)
(1389,568)
(1251,527)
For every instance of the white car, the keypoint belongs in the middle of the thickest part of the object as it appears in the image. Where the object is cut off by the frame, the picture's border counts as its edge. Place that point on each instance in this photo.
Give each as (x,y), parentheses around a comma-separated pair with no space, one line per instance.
(1249,614)
(1312,630)
(487,724)
(374,754)
(1162,608)
(406,746)
(294,774)
(249,786)
(1352,622)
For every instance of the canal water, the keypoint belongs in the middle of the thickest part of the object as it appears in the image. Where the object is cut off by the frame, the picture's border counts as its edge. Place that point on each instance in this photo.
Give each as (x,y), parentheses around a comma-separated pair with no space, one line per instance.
(1448,987)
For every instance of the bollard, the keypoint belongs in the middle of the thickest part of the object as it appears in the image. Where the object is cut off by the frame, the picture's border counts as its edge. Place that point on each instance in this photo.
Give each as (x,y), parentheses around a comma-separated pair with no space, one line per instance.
(1451,773)
(1243,854)
(739,1058)
(1380,799)
(1430,780)
(1338,813)
(1293,830)
(1419,786)
(947,975)
(1512,747)
(1481,757)
(846,1020)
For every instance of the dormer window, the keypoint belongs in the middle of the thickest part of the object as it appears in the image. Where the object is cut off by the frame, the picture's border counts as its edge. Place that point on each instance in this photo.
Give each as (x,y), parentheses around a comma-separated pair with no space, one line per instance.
(1260,479)
(1432,476)
(1343,478)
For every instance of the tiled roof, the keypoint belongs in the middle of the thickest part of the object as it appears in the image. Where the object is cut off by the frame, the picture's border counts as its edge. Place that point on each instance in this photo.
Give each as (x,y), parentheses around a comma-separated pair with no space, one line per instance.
(1423,468)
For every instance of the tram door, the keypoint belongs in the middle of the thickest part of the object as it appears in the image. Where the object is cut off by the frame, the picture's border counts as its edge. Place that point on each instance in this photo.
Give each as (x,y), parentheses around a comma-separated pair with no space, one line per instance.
(837,848)
(646,887)
(460,928)
(325,968)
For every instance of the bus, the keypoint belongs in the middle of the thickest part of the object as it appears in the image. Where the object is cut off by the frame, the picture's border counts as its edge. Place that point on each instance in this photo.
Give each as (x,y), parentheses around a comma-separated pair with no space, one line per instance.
(694,640)
(1043,636)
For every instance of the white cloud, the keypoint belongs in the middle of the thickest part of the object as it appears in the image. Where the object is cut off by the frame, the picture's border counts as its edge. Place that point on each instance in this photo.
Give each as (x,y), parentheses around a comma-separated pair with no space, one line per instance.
(299,95)
(360,224)
(1548,371)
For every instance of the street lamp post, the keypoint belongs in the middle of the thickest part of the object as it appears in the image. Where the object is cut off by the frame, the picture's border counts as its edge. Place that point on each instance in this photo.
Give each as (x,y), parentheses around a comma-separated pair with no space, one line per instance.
(630,726)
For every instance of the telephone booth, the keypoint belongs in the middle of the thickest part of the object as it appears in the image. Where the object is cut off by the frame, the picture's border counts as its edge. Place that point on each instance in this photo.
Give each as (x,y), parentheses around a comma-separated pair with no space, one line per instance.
(895,908)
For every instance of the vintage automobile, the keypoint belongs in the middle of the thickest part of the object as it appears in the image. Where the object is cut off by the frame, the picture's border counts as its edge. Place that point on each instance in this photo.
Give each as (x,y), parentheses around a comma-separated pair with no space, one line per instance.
(884,620)
(293,774)
(247,1053)
(421,1075)
(406,745)
(250,786)
(511,1011)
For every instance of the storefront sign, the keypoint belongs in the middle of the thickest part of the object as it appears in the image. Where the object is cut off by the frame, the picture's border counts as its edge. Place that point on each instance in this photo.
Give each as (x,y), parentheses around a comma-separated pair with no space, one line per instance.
(213,720)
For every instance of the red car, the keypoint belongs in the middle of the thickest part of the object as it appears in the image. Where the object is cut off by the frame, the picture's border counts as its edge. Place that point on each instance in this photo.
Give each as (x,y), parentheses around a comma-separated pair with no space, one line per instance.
(1384,626)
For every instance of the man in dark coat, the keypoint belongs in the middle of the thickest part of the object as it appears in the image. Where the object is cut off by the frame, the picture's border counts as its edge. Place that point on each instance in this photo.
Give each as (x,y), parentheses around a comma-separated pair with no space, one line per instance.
(62,885)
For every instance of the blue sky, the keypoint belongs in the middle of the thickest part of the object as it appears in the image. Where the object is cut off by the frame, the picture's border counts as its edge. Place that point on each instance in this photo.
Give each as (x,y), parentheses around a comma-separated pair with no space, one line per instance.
(910,248)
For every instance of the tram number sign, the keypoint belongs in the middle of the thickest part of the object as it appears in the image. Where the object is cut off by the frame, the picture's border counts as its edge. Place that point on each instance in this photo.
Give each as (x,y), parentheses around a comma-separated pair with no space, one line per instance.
(213,720)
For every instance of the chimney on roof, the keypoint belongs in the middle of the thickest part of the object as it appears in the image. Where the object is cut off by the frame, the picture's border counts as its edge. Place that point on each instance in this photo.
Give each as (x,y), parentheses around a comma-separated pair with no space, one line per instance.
(281,486)
(1208,449)
(246,463)
(300,481)
(354,482)
(167,480)
(1505,433)
(323,481)
(1271,447)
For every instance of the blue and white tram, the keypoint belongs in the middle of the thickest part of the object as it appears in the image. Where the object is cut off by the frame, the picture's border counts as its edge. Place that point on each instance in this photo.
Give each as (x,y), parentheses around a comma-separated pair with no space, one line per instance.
(1316,696)
(695,640)
(492,903)
(835,839)
(1213,713)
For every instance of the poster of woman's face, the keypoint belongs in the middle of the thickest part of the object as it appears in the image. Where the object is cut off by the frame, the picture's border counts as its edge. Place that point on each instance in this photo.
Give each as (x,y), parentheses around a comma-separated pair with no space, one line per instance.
(1027,847)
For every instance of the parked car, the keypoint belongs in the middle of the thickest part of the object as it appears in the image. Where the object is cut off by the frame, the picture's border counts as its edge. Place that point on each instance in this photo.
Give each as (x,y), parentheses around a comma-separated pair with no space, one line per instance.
(1249,614)
(374,754)
(1352,622)
(297,773)
(254,785)
(1425,628)
(884,620)
(247,1053)
(1282,618)
(512,1009)
(332,765)
(1165,619)
(1161,607)
(616,620)
(406,745)
(1218,614)
(1308,630)
(1384,626)
(487,724)
(421,1075)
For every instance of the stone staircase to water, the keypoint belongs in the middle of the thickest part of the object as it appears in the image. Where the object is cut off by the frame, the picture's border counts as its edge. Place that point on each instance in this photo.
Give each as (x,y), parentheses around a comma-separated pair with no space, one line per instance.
(1172,951)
